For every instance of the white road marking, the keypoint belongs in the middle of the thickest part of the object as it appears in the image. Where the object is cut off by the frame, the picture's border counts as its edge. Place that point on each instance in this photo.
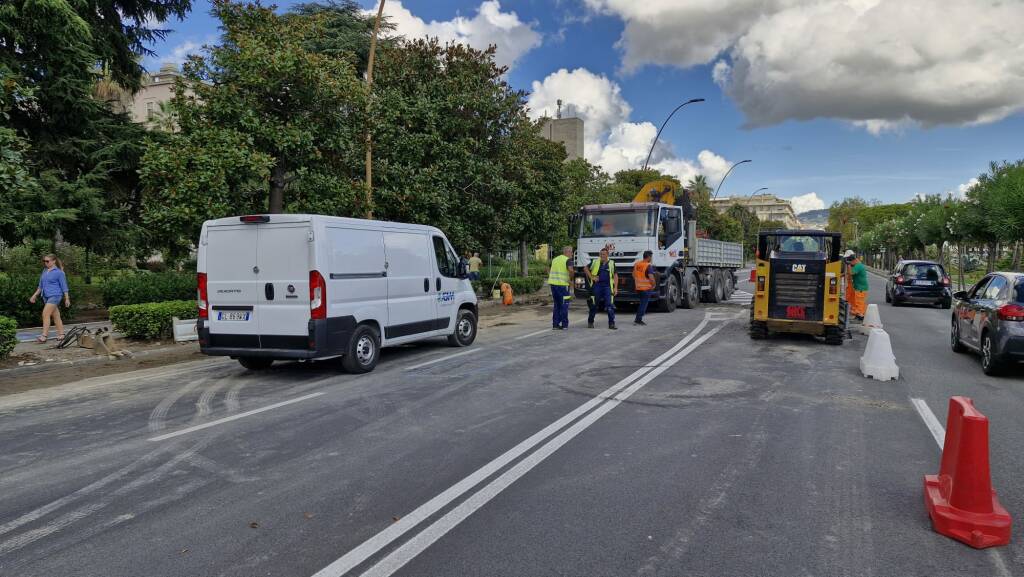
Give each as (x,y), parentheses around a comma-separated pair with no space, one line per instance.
(375,544)
(424,539)
(939,434)
(445,358)
(519,338)
(233,417)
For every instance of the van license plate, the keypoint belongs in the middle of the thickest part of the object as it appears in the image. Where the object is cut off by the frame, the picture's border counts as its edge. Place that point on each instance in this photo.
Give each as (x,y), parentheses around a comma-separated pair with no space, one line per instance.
(233,315)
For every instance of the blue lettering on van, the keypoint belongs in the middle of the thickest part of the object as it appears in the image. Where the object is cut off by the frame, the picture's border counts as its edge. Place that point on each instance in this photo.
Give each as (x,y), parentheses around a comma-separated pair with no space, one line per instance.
(446,296)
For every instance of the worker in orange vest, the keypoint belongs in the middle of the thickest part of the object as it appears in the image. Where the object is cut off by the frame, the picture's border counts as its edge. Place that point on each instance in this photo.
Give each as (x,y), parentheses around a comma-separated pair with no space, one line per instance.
(644,281)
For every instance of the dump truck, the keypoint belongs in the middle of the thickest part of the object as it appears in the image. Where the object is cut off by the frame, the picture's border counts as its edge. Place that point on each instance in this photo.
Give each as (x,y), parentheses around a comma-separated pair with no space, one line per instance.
(691,269)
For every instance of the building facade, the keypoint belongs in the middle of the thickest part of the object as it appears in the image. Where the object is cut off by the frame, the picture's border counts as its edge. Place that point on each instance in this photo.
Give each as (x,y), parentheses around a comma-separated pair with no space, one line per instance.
(156,88)
(765,206)
(568,131)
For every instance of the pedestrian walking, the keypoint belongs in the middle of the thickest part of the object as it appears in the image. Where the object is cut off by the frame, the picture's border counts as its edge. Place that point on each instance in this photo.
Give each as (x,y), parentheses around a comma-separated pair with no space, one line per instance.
(644,281)
(604,285)
(856,285)
(558,280)
(53,286)
(474,266)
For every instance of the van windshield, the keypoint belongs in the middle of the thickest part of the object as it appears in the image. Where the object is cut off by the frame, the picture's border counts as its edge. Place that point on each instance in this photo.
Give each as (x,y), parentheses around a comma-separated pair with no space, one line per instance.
(619,223)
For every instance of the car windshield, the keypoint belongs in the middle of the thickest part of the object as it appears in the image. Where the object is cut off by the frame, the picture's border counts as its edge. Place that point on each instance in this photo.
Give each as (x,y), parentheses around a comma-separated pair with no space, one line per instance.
(619,223)
(923,271)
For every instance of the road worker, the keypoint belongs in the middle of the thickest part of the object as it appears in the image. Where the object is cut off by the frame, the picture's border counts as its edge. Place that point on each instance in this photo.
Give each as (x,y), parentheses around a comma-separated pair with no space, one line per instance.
(604,285)
(644,281)
(856,285)
(559,280)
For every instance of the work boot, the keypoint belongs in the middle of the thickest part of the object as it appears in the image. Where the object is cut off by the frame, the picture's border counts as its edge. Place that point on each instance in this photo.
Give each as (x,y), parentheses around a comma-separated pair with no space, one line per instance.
(639,322)
(613,327)
(590,325)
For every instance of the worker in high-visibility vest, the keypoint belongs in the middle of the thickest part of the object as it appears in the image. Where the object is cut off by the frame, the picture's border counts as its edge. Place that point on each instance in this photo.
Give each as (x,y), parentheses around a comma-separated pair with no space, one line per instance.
(856,285)
(559,280)
(644,281)
(604,285)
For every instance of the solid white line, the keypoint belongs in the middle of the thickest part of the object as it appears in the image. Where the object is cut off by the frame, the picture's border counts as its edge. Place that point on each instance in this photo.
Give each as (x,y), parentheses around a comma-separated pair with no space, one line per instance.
(519,338)
(428,363)
(930,421)
(416,545)
(407,522)
(233,417)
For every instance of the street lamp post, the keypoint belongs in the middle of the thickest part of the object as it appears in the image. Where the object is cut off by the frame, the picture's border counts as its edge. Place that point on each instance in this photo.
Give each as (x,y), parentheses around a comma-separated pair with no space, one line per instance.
(727,174)
(656,136)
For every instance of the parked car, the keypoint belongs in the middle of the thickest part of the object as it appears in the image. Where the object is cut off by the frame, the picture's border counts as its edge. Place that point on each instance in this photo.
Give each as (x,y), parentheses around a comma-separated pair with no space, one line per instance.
(989,319)
(918,281)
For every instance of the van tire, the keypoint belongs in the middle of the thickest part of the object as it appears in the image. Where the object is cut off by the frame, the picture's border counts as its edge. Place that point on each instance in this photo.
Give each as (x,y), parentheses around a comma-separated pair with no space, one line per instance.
(363,350)
(255,363)
(465,329)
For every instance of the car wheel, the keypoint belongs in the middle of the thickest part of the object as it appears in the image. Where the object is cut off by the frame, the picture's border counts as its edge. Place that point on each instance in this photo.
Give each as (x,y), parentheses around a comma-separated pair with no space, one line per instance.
(954,338)
(255,363)
(363,350)
(465,329)
(691,293)
(668,304)
(888,297)
(990,362)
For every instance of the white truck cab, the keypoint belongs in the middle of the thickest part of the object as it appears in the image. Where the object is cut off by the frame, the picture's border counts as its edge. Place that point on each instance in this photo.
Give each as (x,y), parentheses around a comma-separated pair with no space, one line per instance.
(300,286)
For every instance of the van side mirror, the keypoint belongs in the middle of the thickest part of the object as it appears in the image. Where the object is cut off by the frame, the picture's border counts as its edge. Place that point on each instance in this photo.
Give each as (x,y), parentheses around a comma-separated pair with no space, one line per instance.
(960,295)
(463,268)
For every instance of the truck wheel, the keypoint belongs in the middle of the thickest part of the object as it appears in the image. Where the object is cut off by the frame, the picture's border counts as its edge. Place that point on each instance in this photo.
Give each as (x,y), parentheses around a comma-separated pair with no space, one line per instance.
(668,304)
(465,329)
(729,284)
(690,293)
(255,363)
(834,335)
(758,329)
(720,295)
(363,350)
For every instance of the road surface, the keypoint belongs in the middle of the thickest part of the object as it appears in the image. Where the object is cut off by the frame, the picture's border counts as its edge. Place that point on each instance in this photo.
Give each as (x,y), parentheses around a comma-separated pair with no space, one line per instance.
(680,448)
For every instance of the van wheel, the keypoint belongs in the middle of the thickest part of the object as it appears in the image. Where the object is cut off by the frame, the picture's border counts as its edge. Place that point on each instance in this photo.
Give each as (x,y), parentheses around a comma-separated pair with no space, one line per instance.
(465,329)
(363,350)
(255,363)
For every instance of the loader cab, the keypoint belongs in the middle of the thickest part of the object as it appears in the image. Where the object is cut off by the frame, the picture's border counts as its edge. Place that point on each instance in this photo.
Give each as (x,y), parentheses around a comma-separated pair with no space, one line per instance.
(798,285)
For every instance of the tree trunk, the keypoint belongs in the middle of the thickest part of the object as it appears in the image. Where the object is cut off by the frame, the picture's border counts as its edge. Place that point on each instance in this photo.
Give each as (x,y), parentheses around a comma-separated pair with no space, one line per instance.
(1016,255)
(960,265)
(277,184)
(524,259)
(991,260)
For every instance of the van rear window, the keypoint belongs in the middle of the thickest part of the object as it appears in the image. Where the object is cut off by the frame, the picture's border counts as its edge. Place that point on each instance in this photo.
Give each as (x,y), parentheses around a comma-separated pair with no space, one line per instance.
(1019,290)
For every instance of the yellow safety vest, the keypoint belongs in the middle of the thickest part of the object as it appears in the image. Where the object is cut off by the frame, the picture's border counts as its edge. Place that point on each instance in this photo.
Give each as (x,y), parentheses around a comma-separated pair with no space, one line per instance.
(559,273)
(595,266)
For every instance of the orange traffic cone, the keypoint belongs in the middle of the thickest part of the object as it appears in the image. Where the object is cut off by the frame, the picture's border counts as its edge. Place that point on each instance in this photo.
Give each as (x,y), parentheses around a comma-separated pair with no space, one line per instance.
(960,499)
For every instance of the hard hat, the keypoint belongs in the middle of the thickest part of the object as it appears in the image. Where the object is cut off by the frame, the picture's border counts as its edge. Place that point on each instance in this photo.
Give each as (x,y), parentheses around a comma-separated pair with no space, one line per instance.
(849,254)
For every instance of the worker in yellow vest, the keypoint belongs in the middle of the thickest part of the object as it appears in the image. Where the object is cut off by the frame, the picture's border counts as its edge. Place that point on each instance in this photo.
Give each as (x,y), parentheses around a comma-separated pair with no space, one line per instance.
(559,281)
(604,285)
(644,281)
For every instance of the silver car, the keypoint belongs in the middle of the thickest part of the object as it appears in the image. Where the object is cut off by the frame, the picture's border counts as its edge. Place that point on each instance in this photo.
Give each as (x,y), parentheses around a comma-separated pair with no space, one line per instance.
(988,318)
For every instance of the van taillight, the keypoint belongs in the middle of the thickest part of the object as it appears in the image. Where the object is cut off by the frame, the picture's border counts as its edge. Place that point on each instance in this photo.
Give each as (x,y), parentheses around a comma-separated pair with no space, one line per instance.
(317,296)
(201,298)
(1011,312)
(254,218)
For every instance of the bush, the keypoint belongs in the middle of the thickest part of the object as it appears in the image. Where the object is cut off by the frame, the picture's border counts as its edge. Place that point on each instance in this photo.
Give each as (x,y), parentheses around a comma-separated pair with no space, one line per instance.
(14,293)
(520,285)
(8,336)
(150,320)
(144,287)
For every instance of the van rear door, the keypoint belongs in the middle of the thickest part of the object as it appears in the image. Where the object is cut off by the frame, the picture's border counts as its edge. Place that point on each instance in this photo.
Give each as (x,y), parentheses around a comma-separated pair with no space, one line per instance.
(283,258)
(232,282)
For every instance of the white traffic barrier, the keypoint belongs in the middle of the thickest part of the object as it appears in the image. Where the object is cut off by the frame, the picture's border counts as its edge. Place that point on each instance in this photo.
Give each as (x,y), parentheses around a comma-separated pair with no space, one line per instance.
(184,330)
(872,320)
(878,361)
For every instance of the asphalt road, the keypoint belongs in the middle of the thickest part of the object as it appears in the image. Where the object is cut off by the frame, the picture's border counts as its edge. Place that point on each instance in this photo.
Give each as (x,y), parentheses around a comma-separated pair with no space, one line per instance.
(680,448)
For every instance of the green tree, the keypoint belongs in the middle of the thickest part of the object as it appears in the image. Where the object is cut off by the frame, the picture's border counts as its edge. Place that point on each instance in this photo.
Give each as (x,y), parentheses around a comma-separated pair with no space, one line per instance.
(700,187)
(346,31)
(843,217)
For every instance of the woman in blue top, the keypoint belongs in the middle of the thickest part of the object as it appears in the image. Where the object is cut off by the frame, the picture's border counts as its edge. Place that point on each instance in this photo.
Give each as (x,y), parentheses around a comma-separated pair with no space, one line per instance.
(53,285)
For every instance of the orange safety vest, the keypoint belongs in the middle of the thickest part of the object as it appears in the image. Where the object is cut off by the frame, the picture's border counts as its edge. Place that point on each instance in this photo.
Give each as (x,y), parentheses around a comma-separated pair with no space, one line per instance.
(640,279)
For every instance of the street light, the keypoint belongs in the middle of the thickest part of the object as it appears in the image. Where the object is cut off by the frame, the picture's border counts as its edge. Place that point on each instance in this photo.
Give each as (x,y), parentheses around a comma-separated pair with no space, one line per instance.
(690,101)
(727,174)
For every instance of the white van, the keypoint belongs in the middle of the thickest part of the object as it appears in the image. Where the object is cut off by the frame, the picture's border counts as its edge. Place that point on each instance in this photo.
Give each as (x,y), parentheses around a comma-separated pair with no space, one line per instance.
(300,286)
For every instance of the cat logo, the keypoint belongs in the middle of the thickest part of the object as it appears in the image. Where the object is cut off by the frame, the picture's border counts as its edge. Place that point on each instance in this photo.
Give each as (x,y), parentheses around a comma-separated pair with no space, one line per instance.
(799,268)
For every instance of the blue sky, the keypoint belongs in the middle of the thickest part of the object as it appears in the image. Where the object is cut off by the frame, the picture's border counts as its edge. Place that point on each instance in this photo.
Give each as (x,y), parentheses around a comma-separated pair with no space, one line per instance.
(857,110)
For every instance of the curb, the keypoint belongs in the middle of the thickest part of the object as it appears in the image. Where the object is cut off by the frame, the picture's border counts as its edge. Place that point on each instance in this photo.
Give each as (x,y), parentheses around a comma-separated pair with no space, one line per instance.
(43,367)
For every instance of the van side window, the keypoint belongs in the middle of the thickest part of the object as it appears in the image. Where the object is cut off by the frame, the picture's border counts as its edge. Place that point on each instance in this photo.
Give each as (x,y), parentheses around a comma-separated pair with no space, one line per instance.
(447,264)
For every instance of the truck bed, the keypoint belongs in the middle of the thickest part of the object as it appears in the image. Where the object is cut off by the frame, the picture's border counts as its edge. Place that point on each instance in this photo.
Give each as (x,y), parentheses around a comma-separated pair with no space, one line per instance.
(719,253)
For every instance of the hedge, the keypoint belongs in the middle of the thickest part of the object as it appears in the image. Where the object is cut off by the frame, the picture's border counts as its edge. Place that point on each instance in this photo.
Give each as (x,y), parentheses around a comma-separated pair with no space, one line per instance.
(150,320)
(15,291)
(520,285)
(145,287)
(8,336)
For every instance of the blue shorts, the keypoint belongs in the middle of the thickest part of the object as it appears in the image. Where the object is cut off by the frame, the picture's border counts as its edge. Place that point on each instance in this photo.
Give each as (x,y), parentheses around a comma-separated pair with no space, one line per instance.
(52,300)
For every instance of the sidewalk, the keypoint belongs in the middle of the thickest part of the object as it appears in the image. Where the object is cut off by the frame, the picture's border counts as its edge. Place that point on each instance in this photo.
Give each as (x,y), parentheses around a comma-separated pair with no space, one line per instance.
(30,334)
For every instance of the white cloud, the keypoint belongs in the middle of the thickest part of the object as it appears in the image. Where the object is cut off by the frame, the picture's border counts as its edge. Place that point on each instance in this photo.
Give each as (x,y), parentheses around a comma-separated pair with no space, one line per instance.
(806,202)
(610,140)
(885,65)
(181,52)
(512,37)
(961,191)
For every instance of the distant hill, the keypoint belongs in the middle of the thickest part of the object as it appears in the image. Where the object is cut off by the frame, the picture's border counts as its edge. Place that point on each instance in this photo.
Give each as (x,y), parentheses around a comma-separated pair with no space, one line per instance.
(814,218)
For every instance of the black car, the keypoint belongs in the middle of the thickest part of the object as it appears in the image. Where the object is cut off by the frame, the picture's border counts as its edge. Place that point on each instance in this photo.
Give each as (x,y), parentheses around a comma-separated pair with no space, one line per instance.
(989,319)
(918,281)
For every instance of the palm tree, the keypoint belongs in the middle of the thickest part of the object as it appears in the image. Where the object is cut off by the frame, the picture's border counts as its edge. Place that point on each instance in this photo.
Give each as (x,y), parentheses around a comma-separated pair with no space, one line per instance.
(699,187)
(164,119)
(109,92)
